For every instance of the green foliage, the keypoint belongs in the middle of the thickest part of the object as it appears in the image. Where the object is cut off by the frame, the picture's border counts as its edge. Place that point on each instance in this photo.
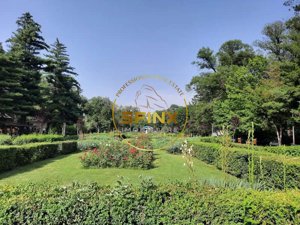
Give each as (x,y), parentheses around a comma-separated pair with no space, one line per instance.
(207,59)
(5,139)
(31,138)
(63,90)
(146,203)
(266,165)
(26,45)
(68,147)
(99,114)
(279,150)
(235,52)
(13,156)
(174,149)
(118,154)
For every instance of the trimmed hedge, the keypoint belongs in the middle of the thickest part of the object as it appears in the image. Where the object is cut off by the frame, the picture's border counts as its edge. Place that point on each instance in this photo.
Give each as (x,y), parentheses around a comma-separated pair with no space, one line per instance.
(147,203)
(269,167)
(13,156)
(5,139)
(31,138)
(282,150)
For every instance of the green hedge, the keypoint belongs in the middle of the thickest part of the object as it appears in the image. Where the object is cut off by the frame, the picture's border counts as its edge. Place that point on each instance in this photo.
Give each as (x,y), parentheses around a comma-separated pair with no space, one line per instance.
(269,167)
(31,138)
(13,156)
(146,204)
(283,150)
(5,139)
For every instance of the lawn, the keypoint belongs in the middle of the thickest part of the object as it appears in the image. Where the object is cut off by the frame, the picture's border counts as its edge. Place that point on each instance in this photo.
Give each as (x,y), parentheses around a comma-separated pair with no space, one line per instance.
(67,168)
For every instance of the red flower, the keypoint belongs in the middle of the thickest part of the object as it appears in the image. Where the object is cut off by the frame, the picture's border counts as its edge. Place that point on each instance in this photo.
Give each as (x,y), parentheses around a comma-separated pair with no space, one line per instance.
(132,151)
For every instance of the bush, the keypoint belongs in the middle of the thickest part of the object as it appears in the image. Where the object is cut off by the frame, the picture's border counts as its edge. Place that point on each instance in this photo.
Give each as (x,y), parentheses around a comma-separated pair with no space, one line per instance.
(146,204)
(269,167)
(31,138)
(282,150)
(175,149)
(67,147)
(117,154)
(5,139)
(13,156)
(88,144)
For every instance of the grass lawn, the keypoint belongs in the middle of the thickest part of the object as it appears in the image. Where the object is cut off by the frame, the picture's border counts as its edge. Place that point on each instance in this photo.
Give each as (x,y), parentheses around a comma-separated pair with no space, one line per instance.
(65,169)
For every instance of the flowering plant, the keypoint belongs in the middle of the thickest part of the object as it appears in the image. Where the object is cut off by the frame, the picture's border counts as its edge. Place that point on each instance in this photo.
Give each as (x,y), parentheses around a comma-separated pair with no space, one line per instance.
(117,154)
(187,154)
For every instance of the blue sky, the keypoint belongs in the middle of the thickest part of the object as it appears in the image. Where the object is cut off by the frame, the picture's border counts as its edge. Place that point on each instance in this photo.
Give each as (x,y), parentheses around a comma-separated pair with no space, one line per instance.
(112,41)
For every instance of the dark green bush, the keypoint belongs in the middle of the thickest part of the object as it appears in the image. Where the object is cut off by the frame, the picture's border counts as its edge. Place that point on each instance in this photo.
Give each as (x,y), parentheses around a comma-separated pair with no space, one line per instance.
(13,156)
(269,167)
(174,149)
(5,139)
(68,147)
(146,204)
(31,138)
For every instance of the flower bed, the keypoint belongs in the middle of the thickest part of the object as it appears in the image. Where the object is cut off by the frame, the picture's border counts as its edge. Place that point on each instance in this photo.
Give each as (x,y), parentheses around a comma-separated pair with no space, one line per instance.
(118,154)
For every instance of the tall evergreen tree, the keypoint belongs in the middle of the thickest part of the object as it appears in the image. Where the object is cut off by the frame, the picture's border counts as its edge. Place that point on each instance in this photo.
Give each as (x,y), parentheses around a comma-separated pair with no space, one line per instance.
(64,89)
(26,45)
(11,91)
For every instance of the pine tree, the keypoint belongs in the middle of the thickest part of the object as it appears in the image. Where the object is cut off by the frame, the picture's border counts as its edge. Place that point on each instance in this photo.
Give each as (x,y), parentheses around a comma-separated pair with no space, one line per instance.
(11,92)
(26,45)
(65,90)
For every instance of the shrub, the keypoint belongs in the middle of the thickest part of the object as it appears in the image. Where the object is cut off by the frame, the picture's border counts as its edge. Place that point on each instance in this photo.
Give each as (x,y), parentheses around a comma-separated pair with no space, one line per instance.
(175,149)
(5,139)
(13,156)
(269,167)
(67,147)
(31,138)
(282,150)
(117,154)
(146,204)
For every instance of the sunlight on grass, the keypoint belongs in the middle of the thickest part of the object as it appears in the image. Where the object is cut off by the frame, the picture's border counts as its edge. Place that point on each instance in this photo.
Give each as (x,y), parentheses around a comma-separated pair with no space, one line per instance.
(66,169)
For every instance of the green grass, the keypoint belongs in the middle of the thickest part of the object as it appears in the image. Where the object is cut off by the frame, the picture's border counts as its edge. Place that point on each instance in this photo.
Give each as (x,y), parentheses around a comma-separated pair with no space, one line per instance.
(66,169)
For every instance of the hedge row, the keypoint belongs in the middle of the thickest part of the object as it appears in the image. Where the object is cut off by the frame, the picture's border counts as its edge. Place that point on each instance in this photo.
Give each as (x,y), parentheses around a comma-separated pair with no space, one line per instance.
(5,139)
(147,203)
(13,156)
(270,170)
(282,150)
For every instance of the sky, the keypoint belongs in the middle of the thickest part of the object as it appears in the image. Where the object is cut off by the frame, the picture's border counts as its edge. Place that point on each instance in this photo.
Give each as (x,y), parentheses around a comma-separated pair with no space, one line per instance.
(111,41)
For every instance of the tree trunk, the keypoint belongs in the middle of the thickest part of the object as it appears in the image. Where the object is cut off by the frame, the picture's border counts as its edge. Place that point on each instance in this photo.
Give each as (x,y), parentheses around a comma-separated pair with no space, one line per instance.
(63,132)
(294,141)
(279,135)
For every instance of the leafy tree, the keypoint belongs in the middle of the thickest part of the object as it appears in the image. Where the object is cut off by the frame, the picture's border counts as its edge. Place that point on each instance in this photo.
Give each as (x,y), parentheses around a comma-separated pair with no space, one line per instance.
(275,40)
(273,99)
(98,113)
(64,88)
(239,108)
(207,59)
(235,52)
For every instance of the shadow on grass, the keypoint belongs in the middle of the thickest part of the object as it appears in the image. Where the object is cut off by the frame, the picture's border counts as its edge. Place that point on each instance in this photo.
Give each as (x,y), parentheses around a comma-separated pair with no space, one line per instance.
(30,167)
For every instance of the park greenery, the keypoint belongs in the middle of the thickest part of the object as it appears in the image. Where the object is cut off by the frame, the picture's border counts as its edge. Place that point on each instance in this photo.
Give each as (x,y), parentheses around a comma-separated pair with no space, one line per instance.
(62,162)
(237,85)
